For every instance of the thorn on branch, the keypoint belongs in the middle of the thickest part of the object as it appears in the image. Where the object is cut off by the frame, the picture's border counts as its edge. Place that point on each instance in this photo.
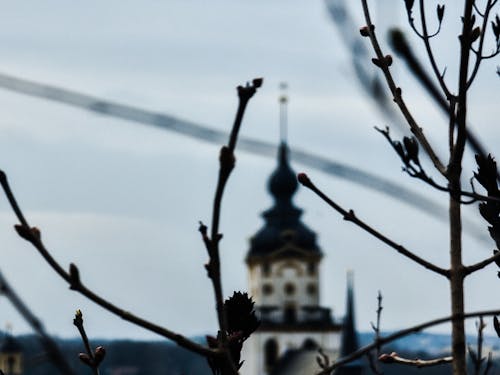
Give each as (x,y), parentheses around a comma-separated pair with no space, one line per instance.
(74,275)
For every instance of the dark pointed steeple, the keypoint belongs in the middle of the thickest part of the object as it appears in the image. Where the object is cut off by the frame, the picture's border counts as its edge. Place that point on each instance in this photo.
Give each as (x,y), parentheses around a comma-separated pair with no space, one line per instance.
(349,342)
(283,228)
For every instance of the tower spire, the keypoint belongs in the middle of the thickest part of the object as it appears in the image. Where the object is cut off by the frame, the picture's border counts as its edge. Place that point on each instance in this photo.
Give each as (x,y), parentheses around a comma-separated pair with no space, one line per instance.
(283,99)
(349,343)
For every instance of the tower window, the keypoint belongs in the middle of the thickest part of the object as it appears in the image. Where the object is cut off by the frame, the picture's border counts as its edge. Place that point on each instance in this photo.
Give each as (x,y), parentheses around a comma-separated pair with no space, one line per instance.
(311,268)
(266,269)
(270,353)
(267,289)
(289,289)
(312,289)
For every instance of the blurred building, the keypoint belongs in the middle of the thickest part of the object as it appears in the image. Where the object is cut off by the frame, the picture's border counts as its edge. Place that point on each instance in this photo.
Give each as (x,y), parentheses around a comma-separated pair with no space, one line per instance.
(11,356)
(283,265)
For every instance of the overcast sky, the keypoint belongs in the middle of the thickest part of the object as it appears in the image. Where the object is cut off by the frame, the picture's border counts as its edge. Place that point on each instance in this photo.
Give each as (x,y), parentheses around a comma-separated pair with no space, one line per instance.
(123,200)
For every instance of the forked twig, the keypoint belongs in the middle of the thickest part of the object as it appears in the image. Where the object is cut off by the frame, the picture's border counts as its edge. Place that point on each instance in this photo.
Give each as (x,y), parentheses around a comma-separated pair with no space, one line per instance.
(383,62)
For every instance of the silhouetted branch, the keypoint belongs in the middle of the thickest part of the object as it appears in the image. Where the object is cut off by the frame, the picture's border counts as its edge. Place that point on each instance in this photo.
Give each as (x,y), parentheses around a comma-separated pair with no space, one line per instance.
(376,329)
(383,62)
(92,358)
(350,216)
(489,364)
(479,53)
(426,38)
(395,358)
(401,46)
(53,352)
(402,333)
(32,235)
(477,357)
(408,153)
(227,162)
(477,266)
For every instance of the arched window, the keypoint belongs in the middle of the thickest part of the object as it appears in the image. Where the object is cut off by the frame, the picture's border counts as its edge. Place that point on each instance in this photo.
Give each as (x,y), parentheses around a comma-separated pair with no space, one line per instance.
(270,353)
(267,289)
(312,289)
(289,289)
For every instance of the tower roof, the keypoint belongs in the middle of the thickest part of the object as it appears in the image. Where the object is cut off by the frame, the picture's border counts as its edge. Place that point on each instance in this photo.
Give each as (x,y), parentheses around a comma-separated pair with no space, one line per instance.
(283,232)
(10,345)
(349,342)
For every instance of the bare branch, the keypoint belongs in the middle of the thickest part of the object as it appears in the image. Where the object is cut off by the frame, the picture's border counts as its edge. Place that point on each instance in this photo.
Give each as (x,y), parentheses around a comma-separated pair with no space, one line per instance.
(350,216)
(33,236)
(226,165)
(395,358)
(397,94)
(479,52)
(405,332)
(92,358)
(480,265)
(426,38)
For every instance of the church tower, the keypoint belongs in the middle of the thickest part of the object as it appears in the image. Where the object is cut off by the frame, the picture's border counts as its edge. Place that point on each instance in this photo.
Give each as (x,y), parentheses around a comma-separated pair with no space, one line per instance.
(283,267)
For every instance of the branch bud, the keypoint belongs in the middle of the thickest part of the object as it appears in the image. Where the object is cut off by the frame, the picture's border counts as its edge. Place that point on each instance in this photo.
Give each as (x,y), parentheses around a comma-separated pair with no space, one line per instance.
(304,180)
(99,354)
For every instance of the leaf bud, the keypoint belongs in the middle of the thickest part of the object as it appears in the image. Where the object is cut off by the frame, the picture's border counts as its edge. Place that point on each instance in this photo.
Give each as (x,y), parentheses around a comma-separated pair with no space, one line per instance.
(99,354)
(85,358)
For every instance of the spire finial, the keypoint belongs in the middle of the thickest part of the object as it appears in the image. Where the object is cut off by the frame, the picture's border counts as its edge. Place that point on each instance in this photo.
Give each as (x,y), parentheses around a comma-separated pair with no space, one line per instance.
(283,99)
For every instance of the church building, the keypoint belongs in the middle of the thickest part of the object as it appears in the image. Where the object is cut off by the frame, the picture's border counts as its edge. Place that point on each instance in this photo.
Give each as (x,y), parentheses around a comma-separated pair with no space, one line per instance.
(284,281)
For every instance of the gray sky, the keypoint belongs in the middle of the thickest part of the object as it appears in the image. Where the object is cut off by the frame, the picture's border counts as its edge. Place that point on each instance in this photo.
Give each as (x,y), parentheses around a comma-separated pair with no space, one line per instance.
(123,201)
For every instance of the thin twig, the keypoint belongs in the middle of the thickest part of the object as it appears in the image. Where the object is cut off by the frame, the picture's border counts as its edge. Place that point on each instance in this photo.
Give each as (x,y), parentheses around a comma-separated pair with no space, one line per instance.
(414,169)
(350,216)
(54,354)
(405,332)
(479,53)
(383,62)
(426,38)
(489,364)
(33,236)
(395,358)
(89,358)
(477,266)
(376,329)
(227,162)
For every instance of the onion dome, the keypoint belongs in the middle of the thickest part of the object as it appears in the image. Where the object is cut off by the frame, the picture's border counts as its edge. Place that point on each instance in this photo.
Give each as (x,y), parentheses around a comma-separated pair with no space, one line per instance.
(283,232)
(10,345)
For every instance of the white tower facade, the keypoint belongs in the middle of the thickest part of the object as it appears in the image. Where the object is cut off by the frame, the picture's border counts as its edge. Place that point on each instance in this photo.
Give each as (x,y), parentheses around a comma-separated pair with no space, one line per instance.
(283,267)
